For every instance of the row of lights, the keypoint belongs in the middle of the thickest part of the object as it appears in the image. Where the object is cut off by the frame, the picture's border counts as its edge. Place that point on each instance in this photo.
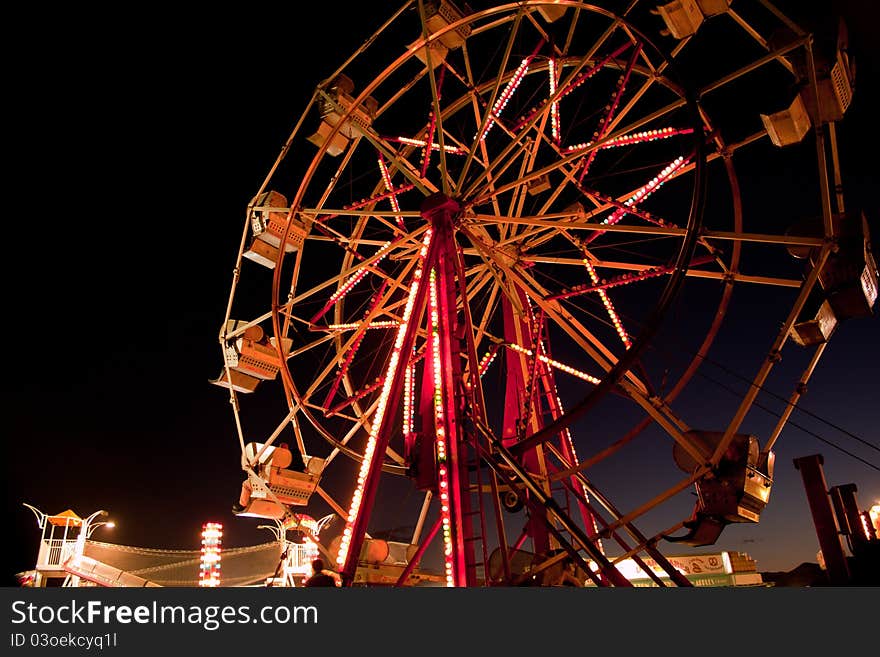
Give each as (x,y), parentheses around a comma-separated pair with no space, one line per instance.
(408,141)
(646,190)
(609,307)
(562,367)
(574,84)
(386,178)
(209,563)
(503,99)
(612,108)
(370,448)
(391,323)
(352,351)
(409,385)
(353,280)
(442,465)
(554,106)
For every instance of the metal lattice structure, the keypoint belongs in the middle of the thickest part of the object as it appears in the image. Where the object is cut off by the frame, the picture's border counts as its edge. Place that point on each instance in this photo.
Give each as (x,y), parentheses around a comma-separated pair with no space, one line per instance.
(472,238)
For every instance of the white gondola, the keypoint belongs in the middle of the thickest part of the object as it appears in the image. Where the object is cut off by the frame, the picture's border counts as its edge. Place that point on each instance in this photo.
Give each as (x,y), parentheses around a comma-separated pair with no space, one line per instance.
(438,15)
(340,120)
(788,126)
(817,330)
(736,491)
(251,357)
(270,219)
(682,17)
(272,487)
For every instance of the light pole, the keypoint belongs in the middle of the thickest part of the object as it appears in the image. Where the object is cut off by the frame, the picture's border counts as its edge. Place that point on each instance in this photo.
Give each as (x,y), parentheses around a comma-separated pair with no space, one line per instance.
(108,523)
(88,526)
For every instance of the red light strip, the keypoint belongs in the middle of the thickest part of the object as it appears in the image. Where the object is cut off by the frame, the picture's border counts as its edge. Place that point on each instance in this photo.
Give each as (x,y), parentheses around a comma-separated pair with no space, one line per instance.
(426,152)
(367,201)
(349,357)
(360,394)
(432,127)
(602,130)
(626,279)
(554,106)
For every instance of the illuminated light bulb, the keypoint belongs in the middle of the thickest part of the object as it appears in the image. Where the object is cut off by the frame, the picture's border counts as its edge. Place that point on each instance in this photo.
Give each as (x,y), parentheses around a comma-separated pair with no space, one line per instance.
(647,135)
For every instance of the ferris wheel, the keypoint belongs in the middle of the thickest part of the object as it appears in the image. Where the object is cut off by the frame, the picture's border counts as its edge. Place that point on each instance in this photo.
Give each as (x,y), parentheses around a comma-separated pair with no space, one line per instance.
(473,237)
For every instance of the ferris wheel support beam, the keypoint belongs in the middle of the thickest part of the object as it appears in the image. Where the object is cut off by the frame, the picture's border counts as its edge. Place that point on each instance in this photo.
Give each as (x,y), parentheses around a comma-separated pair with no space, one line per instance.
(773,356)
(368,484)
(799,390)
(450,439)
(582,489)
(501,457)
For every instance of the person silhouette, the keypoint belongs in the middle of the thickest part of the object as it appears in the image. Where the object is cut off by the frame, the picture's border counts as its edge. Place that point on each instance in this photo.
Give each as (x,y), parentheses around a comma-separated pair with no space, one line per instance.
(319,577)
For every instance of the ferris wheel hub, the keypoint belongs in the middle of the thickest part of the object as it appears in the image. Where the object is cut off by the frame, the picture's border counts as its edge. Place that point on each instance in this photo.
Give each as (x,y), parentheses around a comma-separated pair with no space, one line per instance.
(439,205)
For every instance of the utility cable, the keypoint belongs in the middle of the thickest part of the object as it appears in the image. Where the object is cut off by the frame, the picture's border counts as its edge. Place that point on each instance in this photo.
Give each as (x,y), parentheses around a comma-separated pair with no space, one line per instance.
(794,424)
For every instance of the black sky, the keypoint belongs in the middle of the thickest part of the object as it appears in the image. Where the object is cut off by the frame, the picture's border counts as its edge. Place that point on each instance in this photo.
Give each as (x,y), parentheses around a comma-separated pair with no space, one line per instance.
(137,142)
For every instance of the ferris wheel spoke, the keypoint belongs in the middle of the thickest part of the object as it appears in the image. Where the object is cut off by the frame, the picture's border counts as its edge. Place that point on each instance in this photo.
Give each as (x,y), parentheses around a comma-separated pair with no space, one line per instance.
(488,310)
(488,118)
(602,130)
(754,34)
(367,262)
(567,158)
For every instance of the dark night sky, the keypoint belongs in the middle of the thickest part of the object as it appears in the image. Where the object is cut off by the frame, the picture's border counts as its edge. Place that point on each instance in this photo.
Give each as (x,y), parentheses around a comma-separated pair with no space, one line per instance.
(135,151)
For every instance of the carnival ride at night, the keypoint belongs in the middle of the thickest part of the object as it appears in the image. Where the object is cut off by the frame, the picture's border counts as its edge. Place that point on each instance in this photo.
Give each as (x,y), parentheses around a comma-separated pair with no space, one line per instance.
(474,238)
